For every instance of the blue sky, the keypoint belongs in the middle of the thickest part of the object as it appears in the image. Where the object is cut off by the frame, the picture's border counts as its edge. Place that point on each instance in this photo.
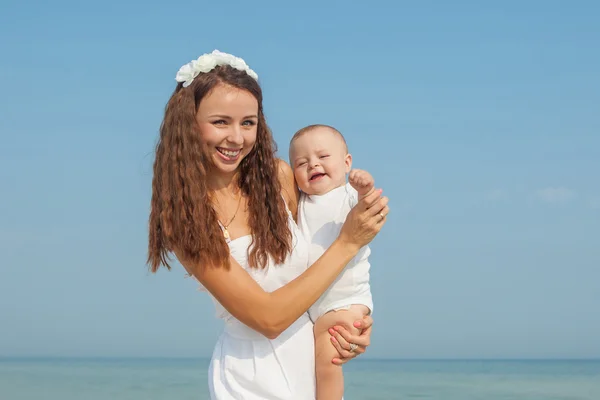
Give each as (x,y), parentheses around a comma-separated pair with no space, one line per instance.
(480,122)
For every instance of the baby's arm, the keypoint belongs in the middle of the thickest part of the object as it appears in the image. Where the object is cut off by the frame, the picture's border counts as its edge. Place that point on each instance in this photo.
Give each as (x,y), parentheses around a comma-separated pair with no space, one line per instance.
(362,182)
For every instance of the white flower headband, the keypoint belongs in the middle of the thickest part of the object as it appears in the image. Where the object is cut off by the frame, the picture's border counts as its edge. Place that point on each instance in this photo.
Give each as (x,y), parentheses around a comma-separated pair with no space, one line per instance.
(206,62)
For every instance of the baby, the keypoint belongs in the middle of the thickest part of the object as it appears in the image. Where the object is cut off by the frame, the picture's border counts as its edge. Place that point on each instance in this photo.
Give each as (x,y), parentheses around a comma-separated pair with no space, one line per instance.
(320,160)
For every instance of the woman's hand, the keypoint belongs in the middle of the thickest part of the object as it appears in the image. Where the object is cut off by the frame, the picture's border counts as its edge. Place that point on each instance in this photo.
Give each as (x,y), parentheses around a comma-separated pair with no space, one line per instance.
(343,338)
(365,220)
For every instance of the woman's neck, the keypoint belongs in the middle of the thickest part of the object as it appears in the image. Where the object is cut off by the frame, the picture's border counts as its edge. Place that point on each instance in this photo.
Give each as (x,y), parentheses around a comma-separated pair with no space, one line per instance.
(220,184)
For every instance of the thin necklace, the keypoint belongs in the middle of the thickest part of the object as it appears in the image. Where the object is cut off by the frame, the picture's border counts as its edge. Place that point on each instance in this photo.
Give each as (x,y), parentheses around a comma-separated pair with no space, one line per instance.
(225,231)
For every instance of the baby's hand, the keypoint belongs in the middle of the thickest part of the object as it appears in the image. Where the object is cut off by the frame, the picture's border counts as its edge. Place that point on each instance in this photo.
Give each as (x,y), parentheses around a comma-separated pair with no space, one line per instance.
(362,181)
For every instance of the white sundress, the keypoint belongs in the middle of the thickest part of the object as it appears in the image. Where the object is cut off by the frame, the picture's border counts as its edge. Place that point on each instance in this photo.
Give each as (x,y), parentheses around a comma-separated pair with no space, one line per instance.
(245,365)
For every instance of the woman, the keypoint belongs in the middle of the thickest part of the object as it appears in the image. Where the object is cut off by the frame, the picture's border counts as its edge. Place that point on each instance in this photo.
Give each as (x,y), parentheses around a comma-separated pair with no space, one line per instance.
(225,206)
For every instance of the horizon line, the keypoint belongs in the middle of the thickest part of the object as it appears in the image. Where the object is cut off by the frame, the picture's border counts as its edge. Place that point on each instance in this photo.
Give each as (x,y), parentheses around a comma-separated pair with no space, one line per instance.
(407,359)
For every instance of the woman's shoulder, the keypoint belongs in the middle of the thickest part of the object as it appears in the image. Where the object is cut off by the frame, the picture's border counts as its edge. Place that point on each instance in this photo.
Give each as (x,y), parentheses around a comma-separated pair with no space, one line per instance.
(290,191)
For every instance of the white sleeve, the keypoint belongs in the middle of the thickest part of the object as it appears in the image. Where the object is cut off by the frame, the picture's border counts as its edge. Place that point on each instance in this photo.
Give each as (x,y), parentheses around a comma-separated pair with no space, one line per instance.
(352,195)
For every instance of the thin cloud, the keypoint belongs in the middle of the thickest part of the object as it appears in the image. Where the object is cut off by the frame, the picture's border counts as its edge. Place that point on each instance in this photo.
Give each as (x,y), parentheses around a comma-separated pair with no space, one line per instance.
(496,195)
(595,203)
(556,195)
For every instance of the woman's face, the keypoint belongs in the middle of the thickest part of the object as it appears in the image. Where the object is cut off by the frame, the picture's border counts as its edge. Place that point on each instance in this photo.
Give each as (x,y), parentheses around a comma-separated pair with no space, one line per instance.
(228,121)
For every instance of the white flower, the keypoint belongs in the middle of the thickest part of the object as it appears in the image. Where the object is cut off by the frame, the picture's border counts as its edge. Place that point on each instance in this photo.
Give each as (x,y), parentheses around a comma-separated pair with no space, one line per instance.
(187,73)
(205,63)
(222,58)
(252,74)
(238,63)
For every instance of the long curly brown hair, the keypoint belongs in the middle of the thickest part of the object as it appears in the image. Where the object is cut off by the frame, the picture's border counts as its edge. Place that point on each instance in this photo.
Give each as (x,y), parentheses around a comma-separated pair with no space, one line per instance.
(182,217)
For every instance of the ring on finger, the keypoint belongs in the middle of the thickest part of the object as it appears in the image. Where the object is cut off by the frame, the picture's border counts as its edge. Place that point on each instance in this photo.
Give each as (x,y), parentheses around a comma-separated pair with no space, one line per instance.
(353,346)
(382,216)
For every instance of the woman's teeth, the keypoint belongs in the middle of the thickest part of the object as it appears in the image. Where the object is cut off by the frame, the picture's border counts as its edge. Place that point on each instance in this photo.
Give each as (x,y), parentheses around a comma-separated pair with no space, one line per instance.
(229,153)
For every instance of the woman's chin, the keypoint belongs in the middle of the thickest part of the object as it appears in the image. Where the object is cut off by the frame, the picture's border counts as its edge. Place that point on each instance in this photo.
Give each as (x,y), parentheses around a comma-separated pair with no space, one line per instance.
(226,167)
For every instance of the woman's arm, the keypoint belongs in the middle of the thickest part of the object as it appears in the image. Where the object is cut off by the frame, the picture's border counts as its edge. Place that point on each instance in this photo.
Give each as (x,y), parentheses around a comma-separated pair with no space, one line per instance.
(272,313)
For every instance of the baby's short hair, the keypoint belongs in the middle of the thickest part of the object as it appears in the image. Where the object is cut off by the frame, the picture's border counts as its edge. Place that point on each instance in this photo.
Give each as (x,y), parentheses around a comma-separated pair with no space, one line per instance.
(310,128)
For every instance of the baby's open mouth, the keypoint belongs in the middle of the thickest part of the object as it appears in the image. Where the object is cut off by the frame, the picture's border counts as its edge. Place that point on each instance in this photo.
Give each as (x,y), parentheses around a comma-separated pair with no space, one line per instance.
(316,176)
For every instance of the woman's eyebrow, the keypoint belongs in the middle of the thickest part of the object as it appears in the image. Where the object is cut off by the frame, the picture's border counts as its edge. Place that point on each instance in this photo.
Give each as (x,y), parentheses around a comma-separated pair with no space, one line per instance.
(229,117)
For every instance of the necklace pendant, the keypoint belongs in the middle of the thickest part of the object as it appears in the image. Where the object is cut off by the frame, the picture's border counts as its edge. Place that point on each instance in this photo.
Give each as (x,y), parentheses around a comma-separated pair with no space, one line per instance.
(226,234)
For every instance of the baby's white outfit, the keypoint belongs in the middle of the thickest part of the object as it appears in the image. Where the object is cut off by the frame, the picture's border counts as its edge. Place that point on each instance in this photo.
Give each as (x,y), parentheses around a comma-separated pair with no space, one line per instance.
(320,218)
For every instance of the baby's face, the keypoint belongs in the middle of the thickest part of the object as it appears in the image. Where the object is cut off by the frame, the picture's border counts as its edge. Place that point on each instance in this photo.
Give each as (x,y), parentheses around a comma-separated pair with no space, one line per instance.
(320,161)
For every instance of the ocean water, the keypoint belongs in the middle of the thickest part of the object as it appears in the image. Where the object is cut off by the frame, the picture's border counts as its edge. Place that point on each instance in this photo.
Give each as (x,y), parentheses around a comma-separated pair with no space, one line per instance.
(183,379)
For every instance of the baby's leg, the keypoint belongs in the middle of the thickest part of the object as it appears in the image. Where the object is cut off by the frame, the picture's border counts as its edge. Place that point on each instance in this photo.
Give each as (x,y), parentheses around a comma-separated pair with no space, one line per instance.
(330,379)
